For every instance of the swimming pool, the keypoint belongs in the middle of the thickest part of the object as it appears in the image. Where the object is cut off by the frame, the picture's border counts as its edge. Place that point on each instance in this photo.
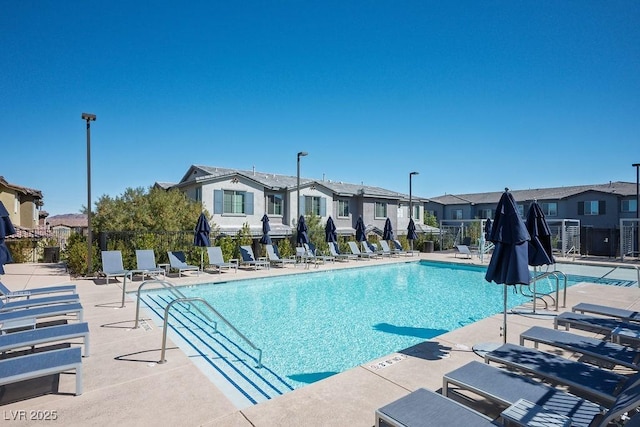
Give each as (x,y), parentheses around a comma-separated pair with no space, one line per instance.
(311,326)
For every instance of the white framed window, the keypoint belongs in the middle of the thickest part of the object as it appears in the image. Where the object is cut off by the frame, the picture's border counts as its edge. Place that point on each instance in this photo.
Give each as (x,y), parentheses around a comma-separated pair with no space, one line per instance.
(198,194)
(275,204)
(380,210)
(233,202)
(416,211)
(343,208)
(592,207)
(485,213)
(521,210)
(312,205)
(456,214)
(630,205)
(549,209)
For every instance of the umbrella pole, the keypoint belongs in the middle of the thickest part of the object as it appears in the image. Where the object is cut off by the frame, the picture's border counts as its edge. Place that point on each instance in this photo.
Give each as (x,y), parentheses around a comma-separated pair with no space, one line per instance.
(504,321)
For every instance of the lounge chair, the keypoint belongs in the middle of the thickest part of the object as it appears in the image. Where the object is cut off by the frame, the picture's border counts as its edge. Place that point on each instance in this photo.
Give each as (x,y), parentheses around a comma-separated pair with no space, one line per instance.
(274,257)
(591,382)
(217,260)
(48,334)
(463,250)
(368,248)
(35,365)
(314,256)
(8,293)
(604,310)
(397,248)
(112,266)
(385,250)
(34,302)
(27,317)
(601,325)
(506,388)
(353,246)
(248,259)
(335,253)
(178,261)
(426,408)
(595,348)
(146,263)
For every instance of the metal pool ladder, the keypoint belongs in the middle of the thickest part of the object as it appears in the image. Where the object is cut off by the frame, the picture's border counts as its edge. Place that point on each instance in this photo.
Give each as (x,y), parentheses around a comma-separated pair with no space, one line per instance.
(190,301)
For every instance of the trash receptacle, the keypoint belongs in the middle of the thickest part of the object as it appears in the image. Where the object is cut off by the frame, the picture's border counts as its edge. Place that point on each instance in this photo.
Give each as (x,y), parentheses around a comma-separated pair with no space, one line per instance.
(52,254)
(428,246)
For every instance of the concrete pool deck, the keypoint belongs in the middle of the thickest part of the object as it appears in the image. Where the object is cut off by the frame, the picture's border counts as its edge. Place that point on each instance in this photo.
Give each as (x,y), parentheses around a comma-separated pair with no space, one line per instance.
(124,384)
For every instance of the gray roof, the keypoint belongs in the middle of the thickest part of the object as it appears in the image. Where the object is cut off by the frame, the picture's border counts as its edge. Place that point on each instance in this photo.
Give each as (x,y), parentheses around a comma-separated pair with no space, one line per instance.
(558,193)
(273,181)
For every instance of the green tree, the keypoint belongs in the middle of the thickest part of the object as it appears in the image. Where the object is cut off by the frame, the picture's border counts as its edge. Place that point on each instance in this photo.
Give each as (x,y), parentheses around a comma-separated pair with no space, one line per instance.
(430,219)
(243,238)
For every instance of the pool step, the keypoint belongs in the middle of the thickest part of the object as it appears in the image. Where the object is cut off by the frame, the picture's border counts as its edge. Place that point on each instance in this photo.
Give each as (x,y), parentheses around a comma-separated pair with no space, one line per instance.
(223,356)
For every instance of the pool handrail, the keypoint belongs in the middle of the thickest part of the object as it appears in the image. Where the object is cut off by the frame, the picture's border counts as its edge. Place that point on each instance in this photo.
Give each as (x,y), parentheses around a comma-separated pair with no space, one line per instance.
(191,300)
(167,285)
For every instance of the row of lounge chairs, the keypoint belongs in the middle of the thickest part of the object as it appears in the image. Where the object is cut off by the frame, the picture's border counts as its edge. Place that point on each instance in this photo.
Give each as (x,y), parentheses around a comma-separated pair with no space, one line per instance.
(586,394)
(21,333)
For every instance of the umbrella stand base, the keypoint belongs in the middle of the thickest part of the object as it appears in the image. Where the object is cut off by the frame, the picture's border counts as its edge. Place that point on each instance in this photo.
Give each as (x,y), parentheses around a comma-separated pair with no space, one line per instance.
(483,348)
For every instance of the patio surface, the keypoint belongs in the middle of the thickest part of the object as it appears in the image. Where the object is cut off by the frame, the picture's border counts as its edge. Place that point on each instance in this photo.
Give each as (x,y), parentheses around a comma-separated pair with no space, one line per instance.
(124,384)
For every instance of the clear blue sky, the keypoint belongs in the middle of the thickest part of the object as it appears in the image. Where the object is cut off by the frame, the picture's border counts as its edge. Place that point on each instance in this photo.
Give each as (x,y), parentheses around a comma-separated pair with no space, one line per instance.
(476,96)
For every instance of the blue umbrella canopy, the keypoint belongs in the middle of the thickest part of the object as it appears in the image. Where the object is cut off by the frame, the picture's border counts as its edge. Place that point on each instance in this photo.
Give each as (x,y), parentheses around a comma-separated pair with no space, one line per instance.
(387,233)
(540,251)
(509,262)
(6,229)
(361,235)
(330,231)
(265,239)
(301,229)
(202,230)
(411,230)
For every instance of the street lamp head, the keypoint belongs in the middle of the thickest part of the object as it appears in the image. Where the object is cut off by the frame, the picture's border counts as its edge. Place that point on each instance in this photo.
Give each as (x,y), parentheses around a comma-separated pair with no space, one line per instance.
(302,154)
(635,165)
(414,173)
(88,117)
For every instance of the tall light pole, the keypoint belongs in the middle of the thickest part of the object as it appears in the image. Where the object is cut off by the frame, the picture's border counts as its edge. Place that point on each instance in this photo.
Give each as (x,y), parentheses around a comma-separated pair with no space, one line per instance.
(89,118)
(411,200)
(637,166)
(300,154)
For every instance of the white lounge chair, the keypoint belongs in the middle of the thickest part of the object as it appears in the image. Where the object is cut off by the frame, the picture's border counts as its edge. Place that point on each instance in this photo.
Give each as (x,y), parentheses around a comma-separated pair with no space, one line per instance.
(112,266)
(274,257)
(216,259)
(249,259)
(48,334)
(353,246)
(397,248)
(464,250)
(35,302)
(385,249)
(335,252)
(26,293)
(369,248)
(36,365)
(178,261)
(146,263)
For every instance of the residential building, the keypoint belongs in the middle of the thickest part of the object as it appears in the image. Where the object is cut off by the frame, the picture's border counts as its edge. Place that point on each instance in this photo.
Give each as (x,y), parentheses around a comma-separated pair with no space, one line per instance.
(22,203)
(599,209)
(235,197)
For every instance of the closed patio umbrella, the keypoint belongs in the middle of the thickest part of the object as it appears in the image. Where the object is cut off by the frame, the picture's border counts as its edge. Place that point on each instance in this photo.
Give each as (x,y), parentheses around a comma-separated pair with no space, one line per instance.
(301,229)
(265,239)
(201,235)
(487,228)
(540,252)
(509,263)
(330,235)
(387,232)
(411,232)
(6,229)
(361,235)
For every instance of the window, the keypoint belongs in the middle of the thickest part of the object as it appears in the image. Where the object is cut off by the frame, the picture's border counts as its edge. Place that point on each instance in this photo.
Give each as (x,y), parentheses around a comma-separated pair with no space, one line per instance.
(549,209)
(456,214)
(381,210)
(343,208)
(275,204)
(312,205)
(592,207)
(629,206)
(198,194)
(521,211)
(232,202)
(416,211)
(485,213)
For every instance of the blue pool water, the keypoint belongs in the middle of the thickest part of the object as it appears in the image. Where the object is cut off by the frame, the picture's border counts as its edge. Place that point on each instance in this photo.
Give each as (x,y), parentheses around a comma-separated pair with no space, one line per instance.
(311,326)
